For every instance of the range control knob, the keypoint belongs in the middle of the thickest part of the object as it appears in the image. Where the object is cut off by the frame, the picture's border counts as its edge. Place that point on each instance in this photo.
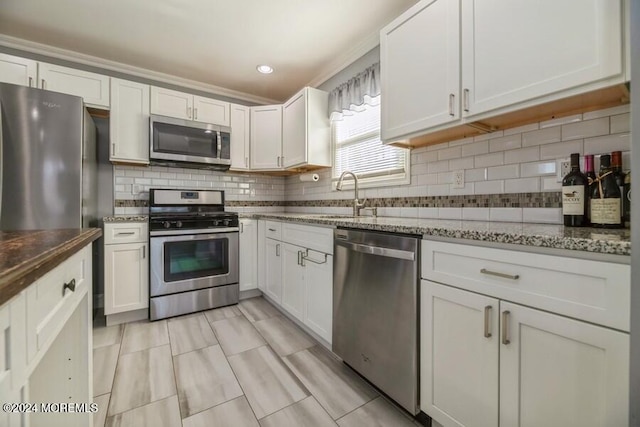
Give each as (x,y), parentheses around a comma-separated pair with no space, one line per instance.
(179,224)
(227,222)
(166,224)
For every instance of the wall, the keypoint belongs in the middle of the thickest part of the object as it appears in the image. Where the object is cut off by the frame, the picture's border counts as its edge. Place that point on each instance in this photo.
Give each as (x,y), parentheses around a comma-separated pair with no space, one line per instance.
(518,163)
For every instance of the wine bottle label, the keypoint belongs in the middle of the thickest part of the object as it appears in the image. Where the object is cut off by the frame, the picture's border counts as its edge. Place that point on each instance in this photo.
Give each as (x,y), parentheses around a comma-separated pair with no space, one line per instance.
(605,211)
(573,200)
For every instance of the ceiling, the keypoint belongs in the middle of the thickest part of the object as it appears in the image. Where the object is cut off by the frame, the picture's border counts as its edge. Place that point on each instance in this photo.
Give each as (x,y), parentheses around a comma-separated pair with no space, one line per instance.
(215,42)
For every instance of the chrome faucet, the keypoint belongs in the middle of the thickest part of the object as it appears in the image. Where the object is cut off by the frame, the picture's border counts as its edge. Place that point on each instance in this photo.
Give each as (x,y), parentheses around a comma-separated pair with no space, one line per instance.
(357,204)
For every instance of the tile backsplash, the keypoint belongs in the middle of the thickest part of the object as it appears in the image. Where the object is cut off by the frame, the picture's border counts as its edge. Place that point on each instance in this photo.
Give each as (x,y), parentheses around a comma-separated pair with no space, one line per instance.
(513,161)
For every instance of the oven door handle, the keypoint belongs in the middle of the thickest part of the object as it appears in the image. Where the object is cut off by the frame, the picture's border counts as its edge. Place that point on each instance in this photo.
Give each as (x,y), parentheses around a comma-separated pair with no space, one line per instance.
(210,231)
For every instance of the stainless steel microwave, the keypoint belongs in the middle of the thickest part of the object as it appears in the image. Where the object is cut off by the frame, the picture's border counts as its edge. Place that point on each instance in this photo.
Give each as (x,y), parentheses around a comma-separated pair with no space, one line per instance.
(185,143)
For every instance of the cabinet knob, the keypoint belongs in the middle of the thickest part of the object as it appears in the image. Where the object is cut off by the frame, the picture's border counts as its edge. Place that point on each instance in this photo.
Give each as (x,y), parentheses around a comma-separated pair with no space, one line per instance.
(70,285)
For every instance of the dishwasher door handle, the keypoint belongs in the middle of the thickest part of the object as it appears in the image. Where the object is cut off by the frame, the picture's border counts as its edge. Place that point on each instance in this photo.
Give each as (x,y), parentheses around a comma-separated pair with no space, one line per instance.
(377,250)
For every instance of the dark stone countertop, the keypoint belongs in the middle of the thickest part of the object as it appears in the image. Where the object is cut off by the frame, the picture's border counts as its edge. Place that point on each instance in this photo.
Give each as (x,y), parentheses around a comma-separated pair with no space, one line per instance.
(27,255)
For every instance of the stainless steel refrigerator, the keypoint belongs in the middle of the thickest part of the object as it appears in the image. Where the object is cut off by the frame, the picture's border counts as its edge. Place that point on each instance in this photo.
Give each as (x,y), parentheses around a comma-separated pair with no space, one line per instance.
(47,160)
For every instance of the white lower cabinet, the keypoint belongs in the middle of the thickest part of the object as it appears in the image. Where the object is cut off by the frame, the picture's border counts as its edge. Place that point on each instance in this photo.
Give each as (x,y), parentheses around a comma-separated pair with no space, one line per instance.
(273,270)
(318,310)
(248,254)
(262,249)
(293,280)
(487,362)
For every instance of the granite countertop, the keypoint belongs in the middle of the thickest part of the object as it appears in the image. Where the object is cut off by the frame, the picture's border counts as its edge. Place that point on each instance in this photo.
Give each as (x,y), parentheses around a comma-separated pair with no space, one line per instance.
(595,240)
(27,255)
(126,218)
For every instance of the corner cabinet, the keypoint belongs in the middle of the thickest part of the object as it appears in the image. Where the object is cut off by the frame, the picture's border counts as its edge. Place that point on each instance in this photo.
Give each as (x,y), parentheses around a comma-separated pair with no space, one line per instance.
(126,267)
(305,130)
(266,137)
(129,122)
(240,137)
(446,62)
(507,338)
(248,246)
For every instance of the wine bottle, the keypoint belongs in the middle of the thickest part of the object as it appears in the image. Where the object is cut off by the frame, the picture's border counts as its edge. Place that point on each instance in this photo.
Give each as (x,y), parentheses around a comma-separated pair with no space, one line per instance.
(589,171)
(616,168)
(626,200)
(605,197)
(574,195)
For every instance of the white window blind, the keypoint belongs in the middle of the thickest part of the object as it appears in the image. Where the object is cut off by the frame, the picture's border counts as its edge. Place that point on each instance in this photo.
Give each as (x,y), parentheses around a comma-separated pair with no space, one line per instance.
(358,148)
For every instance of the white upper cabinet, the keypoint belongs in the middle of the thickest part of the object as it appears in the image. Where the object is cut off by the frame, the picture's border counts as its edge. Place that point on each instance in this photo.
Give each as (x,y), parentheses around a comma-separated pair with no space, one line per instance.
(209,110)
(240,141)
(129,122)
(420,69)
(92,87)
(266,137)
(181,105)
(305,129)
(519,50)
(451,62)
(18,71)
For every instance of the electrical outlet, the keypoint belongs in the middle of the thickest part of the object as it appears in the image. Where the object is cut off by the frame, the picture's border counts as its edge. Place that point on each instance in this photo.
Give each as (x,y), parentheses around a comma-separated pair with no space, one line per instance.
(563,167)
(136,189)
(458,179)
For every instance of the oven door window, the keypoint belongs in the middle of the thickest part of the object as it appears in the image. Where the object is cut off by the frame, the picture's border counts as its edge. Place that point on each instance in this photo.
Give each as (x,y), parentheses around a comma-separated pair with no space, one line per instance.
(191,259)
(175,139)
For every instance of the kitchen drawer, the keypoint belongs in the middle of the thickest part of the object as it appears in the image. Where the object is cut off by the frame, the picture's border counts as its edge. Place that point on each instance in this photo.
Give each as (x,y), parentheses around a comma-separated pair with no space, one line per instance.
(125,232)
(274,230)
(316,238)
(593,291)
(49,304)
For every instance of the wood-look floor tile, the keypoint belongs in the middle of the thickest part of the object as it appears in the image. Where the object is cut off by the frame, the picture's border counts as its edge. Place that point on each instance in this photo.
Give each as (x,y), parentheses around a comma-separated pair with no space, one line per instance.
(283,335)
(188,333)
(338,389)
(161,413)
(237,334)
(266,381)
(222,313)
(236,413)
(104,368)
(204,379)
(257,309)
(306,413)
(107,335)
(143,335)
(100,415)
(377,413)
(141,378)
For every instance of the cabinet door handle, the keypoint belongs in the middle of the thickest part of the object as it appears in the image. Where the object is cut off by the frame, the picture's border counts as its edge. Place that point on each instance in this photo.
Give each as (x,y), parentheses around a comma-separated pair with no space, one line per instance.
(278,161)
(498,274)
(246,162)
(299,257)
(278,249)
(189,112)
(113,149)
(70,285)
(195,114)
(144,252)
(272,229)
(242,227)
(452,99)
(30,81)
(44,84)
(487,321)
(505,327)
(466,100)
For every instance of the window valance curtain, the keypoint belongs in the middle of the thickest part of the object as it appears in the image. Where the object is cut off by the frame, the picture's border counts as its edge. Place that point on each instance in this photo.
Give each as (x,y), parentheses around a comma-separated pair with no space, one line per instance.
(363,89)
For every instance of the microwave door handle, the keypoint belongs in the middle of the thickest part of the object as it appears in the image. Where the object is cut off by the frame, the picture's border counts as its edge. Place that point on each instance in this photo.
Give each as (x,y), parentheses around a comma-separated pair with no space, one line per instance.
(219,147)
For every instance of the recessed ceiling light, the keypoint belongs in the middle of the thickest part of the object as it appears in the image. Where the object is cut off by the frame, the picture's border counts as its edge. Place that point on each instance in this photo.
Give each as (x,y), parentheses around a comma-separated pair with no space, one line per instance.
(264,69)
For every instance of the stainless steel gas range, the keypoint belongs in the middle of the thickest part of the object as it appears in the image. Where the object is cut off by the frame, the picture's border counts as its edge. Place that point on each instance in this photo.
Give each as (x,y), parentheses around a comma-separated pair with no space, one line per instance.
(193,252)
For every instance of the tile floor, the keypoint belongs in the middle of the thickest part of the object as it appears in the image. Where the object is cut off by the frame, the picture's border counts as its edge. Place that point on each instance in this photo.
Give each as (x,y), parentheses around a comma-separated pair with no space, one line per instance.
(244,365)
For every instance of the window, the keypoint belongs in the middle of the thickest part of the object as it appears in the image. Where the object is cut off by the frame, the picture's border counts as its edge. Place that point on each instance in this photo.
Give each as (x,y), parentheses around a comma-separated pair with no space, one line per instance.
(358,149)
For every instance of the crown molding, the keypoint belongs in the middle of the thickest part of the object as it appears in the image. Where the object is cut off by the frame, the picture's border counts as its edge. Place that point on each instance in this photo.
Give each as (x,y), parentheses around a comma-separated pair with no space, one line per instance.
(94,61)
(345,60)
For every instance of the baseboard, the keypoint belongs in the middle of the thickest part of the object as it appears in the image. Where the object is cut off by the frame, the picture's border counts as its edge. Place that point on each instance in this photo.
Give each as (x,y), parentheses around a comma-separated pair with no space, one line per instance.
(128,316)
(251,293)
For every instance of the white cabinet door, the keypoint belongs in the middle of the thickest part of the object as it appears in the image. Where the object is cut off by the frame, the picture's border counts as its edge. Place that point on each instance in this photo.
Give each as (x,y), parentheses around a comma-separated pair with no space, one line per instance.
(248,254)
(129,122)
(294,130)
(458,356)
(262,252)
(293,274)
(240,126)
(420,69)
(126,279)
(518,50)
(266,137)
(273,270)
(318,313)
(18,71)
(556,371)
(211,111)
(92,87)
(171,103)
(13,353)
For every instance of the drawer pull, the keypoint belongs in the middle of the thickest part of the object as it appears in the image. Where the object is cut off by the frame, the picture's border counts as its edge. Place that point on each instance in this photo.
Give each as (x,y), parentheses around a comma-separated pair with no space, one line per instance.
(272,229)
(71,286)
(505,327)
(128,233)
(487,321)
(498,274)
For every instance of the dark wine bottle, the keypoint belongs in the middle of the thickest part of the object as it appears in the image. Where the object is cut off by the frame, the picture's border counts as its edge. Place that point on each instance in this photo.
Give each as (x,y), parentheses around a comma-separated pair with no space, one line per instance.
(574,195)
(626,201)
(605,197)
(616,168)
(589,171)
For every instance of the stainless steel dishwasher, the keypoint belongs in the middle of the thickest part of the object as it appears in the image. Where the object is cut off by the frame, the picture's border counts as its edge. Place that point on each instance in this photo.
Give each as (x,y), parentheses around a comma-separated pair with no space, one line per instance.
(375,310)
